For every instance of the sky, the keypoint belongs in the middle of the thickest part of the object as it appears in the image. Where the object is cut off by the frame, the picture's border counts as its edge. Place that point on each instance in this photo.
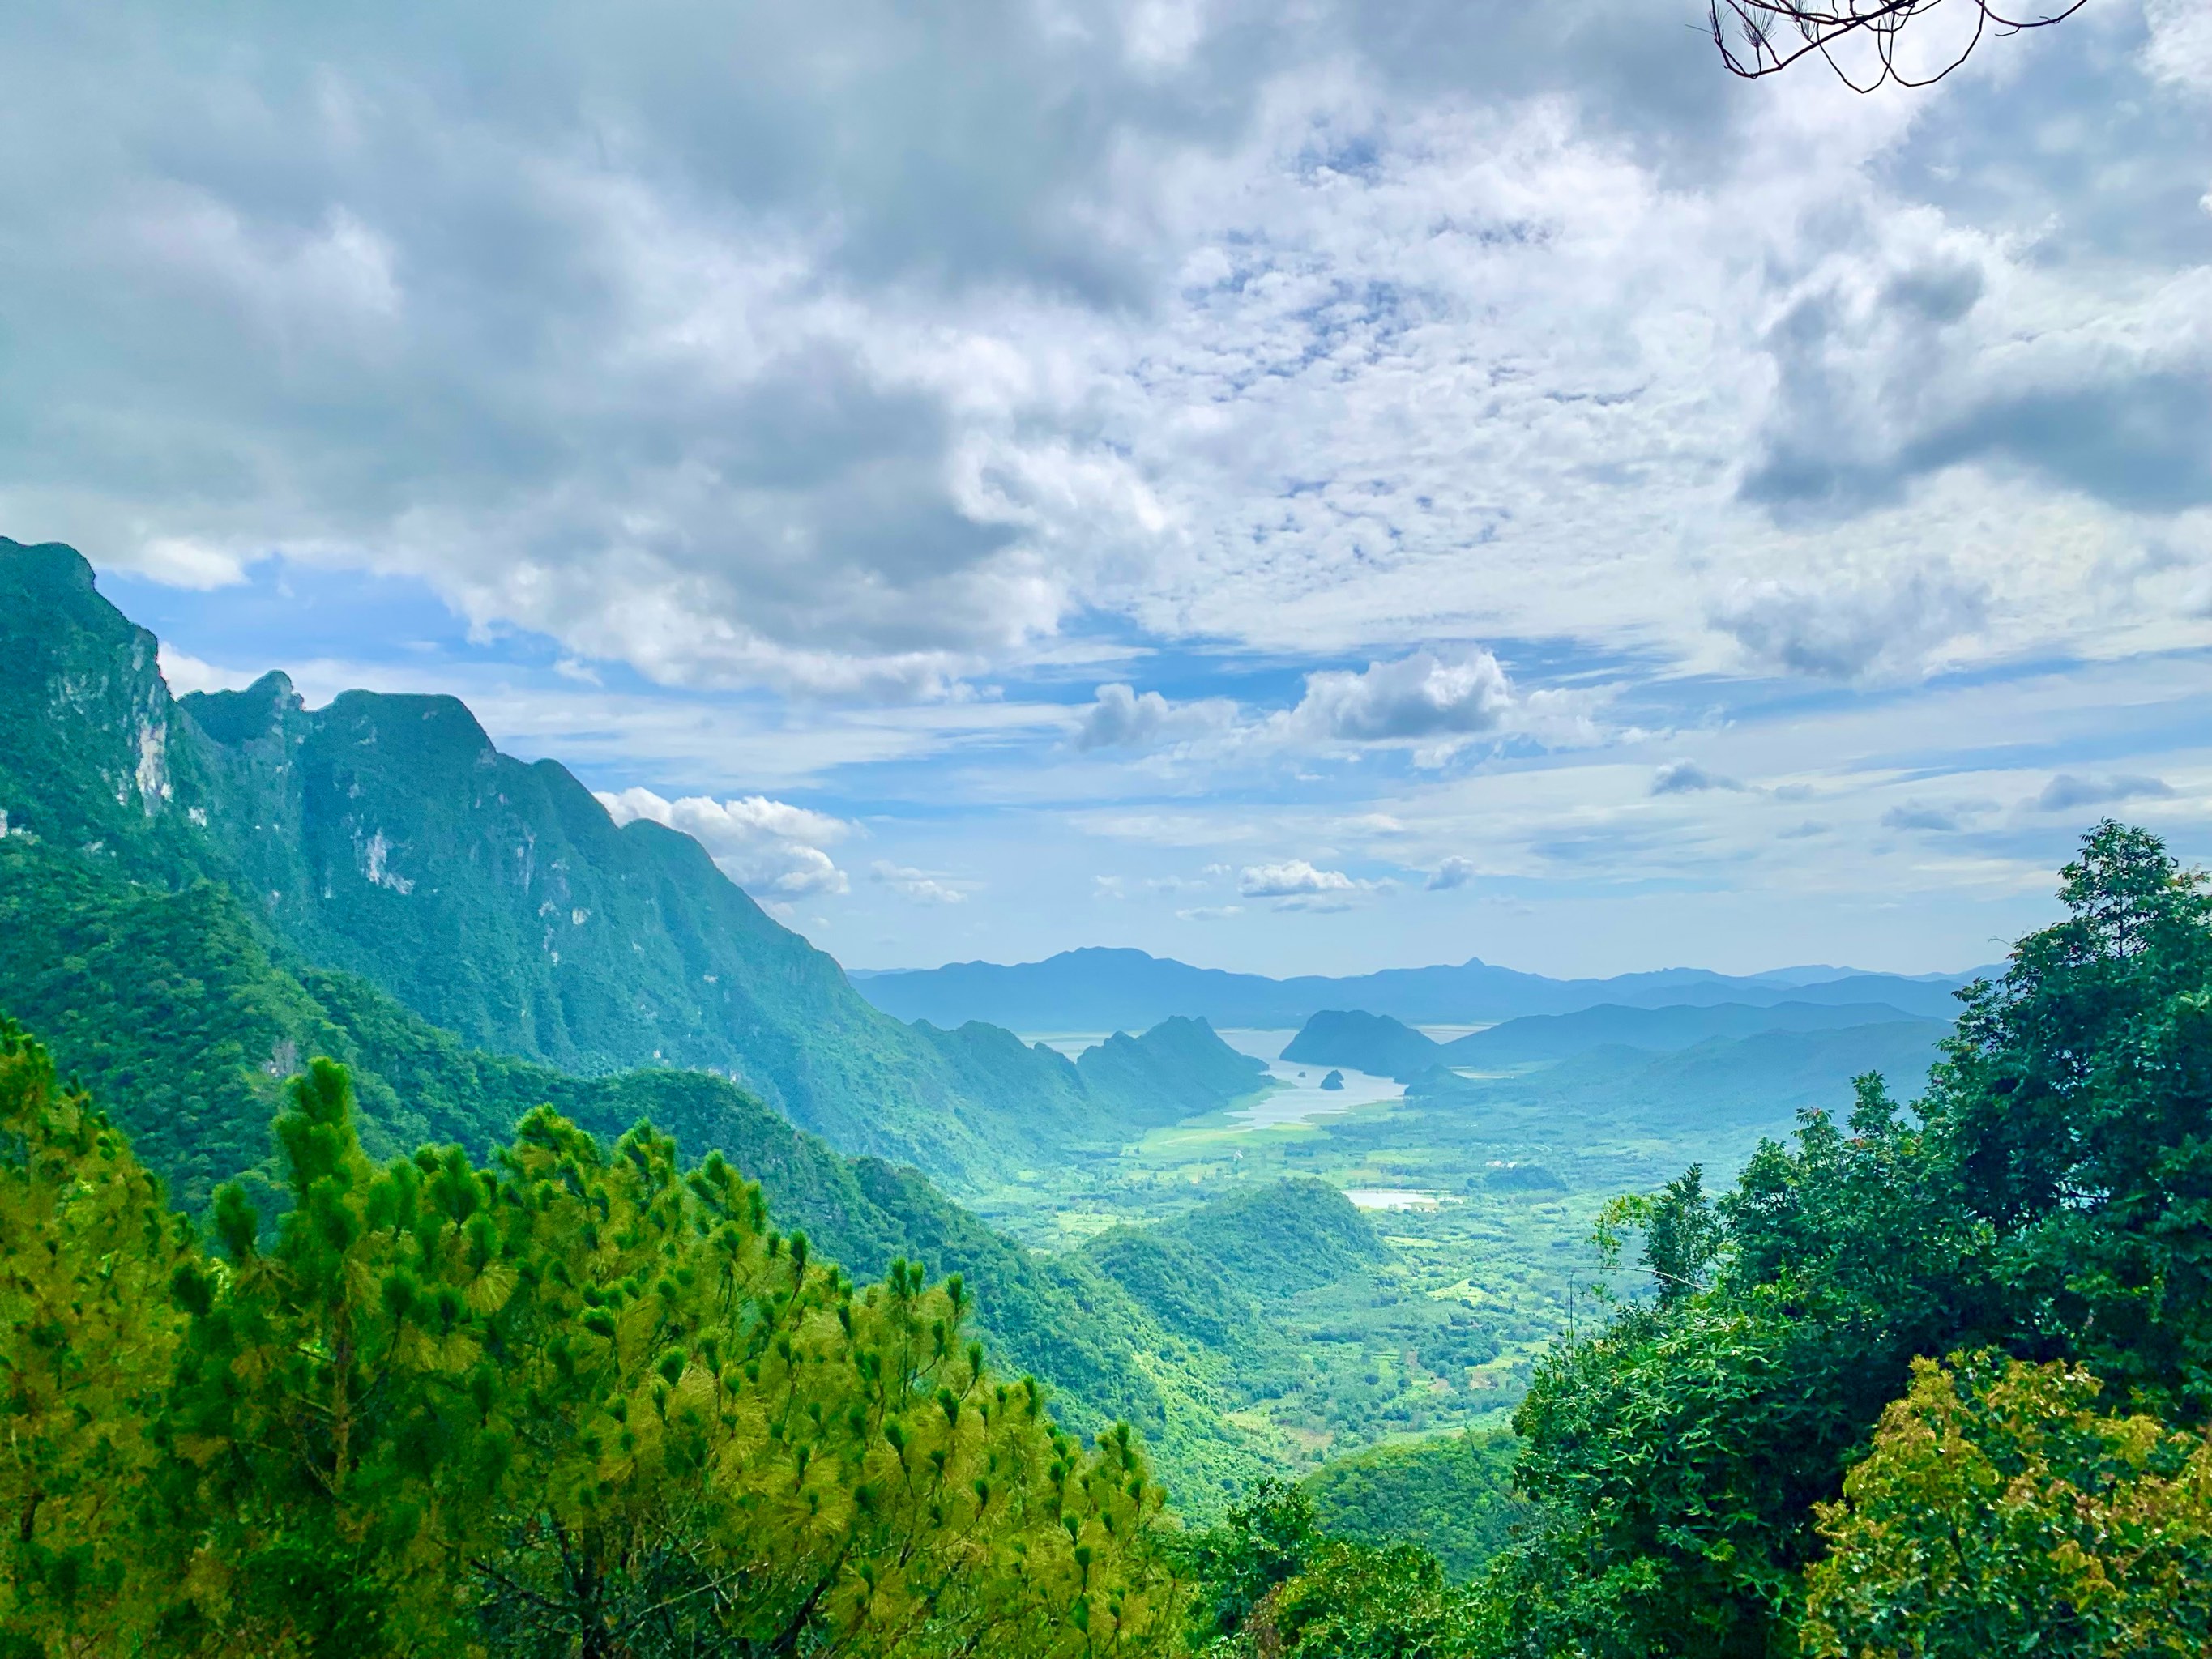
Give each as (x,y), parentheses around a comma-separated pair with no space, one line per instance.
(1305,487)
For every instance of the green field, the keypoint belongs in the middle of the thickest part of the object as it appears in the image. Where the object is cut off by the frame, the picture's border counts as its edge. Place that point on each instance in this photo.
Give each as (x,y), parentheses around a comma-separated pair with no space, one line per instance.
(1482,1270)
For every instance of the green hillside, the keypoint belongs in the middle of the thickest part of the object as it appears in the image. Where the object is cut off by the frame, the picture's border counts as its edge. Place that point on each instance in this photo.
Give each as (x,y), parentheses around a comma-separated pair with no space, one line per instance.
(1756,1454)
(1177,1069)
(1285,1237)
(386,837)
(170,1006)
(1452,1494)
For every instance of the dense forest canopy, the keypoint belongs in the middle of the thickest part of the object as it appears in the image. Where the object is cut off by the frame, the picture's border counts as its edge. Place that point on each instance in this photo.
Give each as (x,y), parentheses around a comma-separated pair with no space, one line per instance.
(1933,1378)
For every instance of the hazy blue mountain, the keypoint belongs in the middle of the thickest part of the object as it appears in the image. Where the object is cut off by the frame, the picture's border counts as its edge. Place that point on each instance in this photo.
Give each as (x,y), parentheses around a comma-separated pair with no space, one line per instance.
(1098,989)
(1756,1083)
(1178,1069)
(1556,1037)
(1387,1047)
(1374,1044)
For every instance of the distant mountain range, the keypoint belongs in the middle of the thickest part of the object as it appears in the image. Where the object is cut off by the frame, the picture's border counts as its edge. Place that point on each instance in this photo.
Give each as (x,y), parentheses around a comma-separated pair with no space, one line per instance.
(385,838)
(1385,1047)
(1104,990)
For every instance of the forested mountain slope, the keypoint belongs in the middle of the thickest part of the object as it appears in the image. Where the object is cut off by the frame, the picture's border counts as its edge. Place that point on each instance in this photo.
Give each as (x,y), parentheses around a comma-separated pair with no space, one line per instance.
(387,836)
(170,1008)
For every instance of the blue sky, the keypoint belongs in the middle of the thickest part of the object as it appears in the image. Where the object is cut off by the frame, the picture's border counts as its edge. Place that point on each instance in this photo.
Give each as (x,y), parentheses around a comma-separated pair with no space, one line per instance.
(1296,489)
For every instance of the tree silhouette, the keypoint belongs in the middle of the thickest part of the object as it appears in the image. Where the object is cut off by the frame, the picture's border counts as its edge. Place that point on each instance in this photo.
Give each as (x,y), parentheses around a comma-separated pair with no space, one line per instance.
(1758,38)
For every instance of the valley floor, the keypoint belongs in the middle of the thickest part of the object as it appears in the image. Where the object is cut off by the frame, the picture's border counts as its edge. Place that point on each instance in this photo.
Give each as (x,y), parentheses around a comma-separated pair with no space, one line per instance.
(1486,1205)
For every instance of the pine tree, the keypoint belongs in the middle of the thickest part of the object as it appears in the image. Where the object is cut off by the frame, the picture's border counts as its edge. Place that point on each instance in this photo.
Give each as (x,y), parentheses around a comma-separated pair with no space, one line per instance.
(87,1337)
(585,1403)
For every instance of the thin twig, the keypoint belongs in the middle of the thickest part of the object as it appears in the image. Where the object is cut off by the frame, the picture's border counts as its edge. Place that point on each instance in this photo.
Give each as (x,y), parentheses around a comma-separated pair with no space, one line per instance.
(1744,32)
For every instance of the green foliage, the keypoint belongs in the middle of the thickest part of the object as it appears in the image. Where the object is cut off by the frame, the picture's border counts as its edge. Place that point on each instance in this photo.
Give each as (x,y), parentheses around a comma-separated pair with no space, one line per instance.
(1284,1236)
(1682,1234)
(1452,1494)
(164,1002)
(94,758)
(2045,1199)
(1273,1583)
(1261,1544)
(87,1339)
(578,1402)
(2074,1108)
(1178,1284)
(172,1005)
(1355,1602)
(2000,1512)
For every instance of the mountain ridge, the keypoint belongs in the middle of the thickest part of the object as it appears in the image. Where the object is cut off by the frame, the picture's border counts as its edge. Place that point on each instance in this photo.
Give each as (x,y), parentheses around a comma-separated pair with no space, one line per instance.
(1103,988)
(1382,1046)
(386,835)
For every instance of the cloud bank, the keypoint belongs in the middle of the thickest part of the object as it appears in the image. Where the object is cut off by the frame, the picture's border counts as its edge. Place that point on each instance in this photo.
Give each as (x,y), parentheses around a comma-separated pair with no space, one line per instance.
(764,846)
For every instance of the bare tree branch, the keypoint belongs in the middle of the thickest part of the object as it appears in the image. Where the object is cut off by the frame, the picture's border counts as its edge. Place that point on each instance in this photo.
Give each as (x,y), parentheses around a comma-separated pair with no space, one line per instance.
(1758,38)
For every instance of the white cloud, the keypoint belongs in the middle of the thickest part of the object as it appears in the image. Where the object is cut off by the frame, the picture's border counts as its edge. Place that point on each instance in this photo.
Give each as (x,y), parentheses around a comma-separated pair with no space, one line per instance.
(1293,878)
(1858,626)
(1941,819)
(185,562)
(1688,778)
(1322,345)
(1454,872)
(1313,342)
(1120,717)
(922,886)
(1297,884)
(2180,44)
(764,846)
(185,673)
(2066,791)
(1421,697)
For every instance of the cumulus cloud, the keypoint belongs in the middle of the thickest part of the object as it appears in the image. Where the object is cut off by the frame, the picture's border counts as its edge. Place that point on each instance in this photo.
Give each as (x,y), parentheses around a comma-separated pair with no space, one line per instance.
(1420,696)
(1854,627)
(1688,778)
(922,886)
(764,846)
(2179,48)
(1297,885)
(1120,717)
(2067,791)
(1454,872)
(1292,879)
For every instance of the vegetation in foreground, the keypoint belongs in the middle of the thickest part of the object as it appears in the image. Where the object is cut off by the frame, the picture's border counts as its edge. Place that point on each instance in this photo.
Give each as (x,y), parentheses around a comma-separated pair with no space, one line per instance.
(575,1403)
(1931,1382)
